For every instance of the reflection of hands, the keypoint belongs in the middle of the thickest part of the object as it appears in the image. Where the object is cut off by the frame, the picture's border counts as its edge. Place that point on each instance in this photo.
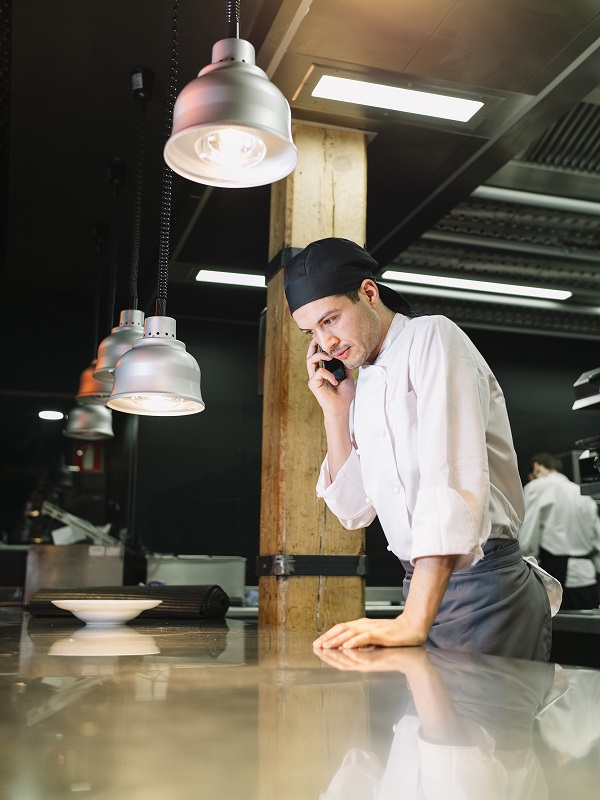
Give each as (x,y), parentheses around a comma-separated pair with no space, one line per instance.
(439,719)
(375,659)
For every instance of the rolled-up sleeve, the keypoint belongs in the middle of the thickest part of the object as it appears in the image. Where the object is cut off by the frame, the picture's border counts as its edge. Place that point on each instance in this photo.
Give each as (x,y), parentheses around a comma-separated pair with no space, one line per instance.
(346,496)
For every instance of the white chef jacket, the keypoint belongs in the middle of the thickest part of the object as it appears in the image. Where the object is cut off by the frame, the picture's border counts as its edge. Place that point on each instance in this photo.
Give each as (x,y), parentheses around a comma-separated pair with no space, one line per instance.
(564,522)
(432,452)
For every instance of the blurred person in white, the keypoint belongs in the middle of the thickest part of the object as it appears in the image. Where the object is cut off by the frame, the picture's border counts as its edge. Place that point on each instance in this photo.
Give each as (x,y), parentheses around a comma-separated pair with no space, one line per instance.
(562,529)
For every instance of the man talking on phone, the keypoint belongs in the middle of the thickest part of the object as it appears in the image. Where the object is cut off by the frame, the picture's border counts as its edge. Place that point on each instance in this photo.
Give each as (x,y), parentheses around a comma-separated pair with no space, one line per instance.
(423,441)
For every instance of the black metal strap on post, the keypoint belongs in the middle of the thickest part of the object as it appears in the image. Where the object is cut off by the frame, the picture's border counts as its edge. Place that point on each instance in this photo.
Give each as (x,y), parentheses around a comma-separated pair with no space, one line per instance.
(284,565)
(279,260)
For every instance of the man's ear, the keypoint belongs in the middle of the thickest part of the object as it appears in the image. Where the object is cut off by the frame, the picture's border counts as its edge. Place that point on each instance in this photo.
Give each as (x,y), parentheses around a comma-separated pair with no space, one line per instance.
(369,287)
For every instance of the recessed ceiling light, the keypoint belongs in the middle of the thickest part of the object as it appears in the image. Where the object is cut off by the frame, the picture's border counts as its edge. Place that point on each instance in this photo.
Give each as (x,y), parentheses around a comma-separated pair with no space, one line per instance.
(51,415)
(410,101)
(476,286)
(232,278)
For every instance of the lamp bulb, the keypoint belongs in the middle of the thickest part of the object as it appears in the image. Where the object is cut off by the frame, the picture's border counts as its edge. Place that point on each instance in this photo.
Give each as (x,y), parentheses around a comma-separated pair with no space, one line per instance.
(156,404)
(231,149)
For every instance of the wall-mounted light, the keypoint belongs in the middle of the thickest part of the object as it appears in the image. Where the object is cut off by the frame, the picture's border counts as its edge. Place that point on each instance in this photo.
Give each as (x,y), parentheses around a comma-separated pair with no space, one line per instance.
(587,390)
(231,125)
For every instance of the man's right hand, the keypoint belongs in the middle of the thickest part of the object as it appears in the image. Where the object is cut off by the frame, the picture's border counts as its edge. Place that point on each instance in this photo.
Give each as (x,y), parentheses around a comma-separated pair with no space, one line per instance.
(334,397)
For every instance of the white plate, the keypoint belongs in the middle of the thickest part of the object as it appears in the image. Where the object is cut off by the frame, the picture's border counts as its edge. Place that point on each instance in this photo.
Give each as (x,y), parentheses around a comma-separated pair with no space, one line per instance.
(106,612)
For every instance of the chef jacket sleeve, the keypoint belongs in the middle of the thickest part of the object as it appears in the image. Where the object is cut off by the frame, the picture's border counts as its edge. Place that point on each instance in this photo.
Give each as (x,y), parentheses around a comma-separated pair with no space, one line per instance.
(345,496)
(454,388)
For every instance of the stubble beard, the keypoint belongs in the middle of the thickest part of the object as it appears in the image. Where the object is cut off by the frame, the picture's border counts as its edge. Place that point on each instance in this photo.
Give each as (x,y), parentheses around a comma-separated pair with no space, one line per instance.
(368,335)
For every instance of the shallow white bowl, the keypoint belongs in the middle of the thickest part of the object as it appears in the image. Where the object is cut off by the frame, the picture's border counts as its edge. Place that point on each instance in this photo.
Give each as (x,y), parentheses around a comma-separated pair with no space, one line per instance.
(106,612)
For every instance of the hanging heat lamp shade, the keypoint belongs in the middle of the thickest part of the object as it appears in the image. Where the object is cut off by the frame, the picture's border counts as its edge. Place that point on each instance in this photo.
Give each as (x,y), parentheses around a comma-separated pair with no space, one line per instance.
(91,390)
(231,125)
(120,339)
(157,376)
(90,422)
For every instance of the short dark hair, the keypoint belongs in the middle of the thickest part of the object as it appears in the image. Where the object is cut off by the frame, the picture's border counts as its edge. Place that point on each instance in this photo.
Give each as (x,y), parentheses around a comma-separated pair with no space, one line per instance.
(354,297)
(548,460)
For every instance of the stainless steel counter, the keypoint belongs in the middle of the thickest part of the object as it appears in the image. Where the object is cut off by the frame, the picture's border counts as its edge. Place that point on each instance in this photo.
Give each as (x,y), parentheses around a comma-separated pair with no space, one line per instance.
(228,710)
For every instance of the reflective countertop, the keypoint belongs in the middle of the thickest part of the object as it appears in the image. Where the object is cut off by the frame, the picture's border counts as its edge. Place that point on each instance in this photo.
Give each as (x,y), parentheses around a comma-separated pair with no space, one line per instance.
(228,710)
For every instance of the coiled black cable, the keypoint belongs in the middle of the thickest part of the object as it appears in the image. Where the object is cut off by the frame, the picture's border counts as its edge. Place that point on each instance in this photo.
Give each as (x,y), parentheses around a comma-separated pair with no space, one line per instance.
(167,175)
(233,19)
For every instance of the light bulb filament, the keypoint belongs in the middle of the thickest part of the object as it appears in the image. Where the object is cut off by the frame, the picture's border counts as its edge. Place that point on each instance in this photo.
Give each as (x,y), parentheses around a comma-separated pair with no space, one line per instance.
(232,149)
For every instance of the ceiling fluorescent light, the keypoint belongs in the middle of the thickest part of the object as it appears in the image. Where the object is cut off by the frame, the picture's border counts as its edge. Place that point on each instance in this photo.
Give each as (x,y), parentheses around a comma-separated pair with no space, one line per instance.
(476,286)
(51,415)
(232,278)
(410,101)
(437,293)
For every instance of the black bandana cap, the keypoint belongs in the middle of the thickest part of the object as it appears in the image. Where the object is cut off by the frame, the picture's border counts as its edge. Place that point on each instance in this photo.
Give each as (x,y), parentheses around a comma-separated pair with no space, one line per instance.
(333,266)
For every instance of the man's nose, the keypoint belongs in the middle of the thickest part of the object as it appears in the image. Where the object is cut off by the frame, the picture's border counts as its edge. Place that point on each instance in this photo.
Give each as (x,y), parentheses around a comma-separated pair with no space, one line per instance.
(327,342)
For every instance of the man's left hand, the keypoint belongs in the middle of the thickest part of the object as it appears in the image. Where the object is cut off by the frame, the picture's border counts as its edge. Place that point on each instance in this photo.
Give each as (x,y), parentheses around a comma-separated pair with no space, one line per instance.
(362,632)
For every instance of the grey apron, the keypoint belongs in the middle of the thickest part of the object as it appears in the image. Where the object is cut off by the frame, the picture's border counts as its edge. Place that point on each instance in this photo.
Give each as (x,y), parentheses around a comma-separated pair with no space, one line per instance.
(499,607)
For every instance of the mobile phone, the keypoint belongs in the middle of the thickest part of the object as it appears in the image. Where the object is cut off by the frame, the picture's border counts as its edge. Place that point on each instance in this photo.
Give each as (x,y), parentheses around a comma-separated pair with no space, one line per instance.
(336,367)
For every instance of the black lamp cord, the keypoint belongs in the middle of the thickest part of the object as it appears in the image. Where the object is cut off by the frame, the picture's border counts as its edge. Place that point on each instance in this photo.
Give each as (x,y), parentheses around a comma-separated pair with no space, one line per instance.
(137,211)
(233,29)
(167,175)
(233,19)
(116,172)
(99,241)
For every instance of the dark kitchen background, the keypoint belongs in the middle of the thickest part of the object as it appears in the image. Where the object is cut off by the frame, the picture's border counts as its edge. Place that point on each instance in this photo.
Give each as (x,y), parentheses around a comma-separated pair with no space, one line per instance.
(513,197)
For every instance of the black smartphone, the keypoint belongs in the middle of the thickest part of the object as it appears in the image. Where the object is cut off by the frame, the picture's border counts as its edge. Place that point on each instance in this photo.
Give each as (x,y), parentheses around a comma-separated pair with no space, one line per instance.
(336,367)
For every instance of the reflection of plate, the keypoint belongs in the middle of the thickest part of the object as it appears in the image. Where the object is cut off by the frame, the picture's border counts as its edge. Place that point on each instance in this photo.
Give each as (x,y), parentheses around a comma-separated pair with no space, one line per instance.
(106,612)
(104,640)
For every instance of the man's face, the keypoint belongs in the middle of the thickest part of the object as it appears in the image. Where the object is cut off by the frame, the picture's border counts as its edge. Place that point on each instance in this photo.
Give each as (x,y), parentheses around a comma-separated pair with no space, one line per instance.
(352,332)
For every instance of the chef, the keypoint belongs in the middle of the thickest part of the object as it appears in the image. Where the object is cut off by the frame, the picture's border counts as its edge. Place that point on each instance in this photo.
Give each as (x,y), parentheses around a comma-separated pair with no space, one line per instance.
(562,528)
(422,440)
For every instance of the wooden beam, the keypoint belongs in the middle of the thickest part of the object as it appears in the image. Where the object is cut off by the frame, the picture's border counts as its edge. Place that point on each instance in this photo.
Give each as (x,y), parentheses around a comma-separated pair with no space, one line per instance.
(324,196)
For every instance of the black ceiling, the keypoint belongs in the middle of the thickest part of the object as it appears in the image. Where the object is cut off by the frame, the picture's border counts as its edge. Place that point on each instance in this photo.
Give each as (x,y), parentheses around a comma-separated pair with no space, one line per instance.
(70,112)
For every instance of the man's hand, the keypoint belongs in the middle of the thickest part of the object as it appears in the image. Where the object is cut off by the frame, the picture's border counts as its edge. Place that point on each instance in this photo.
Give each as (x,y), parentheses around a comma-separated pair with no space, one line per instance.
(363,632)
(428,584)
(333,396)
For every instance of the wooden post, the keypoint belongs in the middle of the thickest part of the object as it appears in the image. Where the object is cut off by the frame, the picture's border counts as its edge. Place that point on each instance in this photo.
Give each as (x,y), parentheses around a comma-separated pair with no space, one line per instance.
(324,196)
